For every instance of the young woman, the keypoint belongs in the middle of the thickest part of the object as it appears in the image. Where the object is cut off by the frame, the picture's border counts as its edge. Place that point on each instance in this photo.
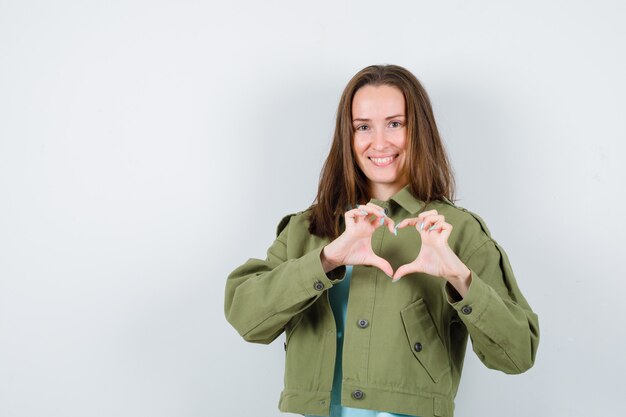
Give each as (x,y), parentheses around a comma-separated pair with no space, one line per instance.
(378,284)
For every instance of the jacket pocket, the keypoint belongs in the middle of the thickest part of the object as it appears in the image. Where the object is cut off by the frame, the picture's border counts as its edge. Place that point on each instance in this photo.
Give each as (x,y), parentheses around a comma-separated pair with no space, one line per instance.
(424,341)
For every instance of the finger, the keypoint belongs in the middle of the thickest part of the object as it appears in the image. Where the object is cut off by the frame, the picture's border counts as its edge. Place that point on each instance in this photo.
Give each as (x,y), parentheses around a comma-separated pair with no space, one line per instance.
(425,214)
(350,214)
(407,222)
(391,225)
(354,216)
(403,270)
(382,264)
(446,230)
(376,207)
(363,212)
(431,222)
(383,219)
(358,211)
(374,210)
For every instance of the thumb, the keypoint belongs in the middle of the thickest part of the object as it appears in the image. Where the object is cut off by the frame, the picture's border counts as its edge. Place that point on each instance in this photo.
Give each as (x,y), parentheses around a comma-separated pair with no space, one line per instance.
(404,270)
(382,264)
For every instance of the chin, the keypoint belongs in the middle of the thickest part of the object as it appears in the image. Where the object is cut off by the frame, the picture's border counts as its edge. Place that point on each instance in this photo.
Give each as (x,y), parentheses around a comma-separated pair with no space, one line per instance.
(384,179)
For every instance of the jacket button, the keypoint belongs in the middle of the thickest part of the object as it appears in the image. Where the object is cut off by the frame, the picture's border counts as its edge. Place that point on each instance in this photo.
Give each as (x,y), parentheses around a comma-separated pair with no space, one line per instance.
(319,286)
(466,309)
(417,347)
(386,210)
(357,394)
(363,323)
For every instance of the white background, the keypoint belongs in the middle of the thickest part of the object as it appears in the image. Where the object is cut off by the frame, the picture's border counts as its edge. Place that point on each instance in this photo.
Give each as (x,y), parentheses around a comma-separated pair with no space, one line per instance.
(147,148)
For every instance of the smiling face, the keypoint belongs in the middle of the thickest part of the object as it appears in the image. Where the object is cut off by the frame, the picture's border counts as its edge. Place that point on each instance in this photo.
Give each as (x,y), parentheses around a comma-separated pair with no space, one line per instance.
(379,142)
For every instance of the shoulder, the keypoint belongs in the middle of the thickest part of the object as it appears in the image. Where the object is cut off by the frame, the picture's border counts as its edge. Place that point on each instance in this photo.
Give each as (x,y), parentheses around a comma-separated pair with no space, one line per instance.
(293,232)
(467,217)
(298,220)
(470,230)
(458,215)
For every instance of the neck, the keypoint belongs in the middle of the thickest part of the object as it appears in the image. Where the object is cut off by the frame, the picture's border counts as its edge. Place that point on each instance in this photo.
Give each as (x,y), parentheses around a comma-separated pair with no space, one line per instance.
(384,192)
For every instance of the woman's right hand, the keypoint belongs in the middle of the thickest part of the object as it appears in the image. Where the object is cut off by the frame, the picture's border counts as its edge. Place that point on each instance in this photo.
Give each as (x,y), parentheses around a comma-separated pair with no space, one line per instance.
(354,246)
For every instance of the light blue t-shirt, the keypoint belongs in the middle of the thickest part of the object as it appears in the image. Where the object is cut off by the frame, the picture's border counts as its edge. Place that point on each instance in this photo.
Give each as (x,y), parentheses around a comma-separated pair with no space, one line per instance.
(338,296)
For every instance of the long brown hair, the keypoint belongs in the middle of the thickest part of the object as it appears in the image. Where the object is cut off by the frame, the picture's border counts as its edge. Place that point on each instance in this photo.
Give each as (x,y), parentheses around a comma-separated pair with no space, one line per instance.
(342,183)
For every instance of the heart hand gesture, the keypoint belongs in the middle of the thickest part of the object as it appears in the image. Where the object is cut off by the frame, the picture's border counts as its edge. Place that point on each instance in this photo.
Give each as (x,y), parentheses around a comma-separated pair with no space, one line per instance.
(354,246)
(435,256)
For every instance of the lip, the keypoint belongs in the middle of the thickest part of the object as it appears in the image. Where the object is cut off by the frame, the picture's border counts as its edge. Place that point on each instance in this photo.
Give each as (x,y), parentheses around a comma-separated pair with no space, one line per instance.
(382,161)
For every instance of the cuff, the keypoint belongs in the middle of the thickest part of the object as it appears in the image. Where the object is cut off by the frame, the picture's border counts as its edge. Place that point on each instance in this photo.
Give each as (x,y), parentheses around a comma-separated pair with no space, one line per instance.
(475,301)
(314,279)
(337,274)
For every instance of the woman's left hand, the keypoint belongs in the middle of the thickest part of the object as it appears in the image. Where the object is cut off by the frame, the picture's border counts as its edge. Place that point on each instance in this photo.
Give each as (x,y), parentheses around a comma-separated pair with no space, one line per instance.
(435,256)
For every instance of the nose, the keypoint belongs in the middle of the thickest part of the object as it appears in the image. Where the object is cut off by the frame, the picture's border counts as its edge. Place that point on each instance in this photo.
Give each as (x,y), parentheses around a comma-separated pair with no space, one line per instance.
(378,140)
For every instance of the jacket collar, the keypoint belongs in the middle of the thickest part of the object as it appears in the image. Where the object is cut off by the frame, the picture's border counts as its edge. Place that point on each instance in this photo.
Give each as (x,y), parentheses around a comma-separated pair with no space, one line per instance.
(405,199)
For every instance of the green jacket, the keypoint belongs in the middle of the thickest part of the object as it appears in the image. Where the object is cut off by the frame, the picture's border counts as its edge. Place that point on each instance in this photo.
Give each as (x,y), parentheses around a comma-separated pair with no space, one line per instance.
(404,342)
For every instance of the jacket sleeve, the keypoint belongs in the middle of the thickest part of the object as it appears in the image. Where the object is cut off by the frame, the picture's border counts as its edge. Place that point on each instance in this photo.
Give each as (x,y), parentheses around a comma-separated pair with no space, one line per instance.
(263,295)
(503,328)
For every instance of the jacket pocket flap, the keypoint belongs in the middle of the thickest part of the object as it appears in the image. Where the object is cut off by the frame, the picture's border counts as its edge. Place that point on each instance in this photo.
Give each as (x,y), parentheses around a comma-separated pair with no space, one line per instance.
(424,341)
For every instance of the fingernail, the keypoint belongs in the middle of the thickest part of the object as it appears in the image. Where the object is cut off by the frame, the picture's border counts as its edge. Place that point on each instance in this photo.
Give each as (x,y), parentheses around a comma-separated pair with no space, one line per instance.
(382,221)
(363,212)
(382,213)
(431,227)
(422,226)
(395,231)
(395,280)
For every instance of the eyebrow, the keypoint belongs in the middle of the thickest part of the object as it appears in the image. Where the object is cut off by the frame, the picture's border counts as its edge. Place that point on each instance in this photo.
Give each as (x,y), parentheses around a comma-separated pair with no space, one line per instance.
(386,118)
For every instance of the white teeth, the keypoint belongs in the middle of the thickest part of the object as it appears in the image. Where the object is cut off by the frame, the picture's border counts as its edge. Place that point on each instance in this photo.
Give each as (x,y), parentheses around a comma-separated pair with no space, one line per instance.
(382,160)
